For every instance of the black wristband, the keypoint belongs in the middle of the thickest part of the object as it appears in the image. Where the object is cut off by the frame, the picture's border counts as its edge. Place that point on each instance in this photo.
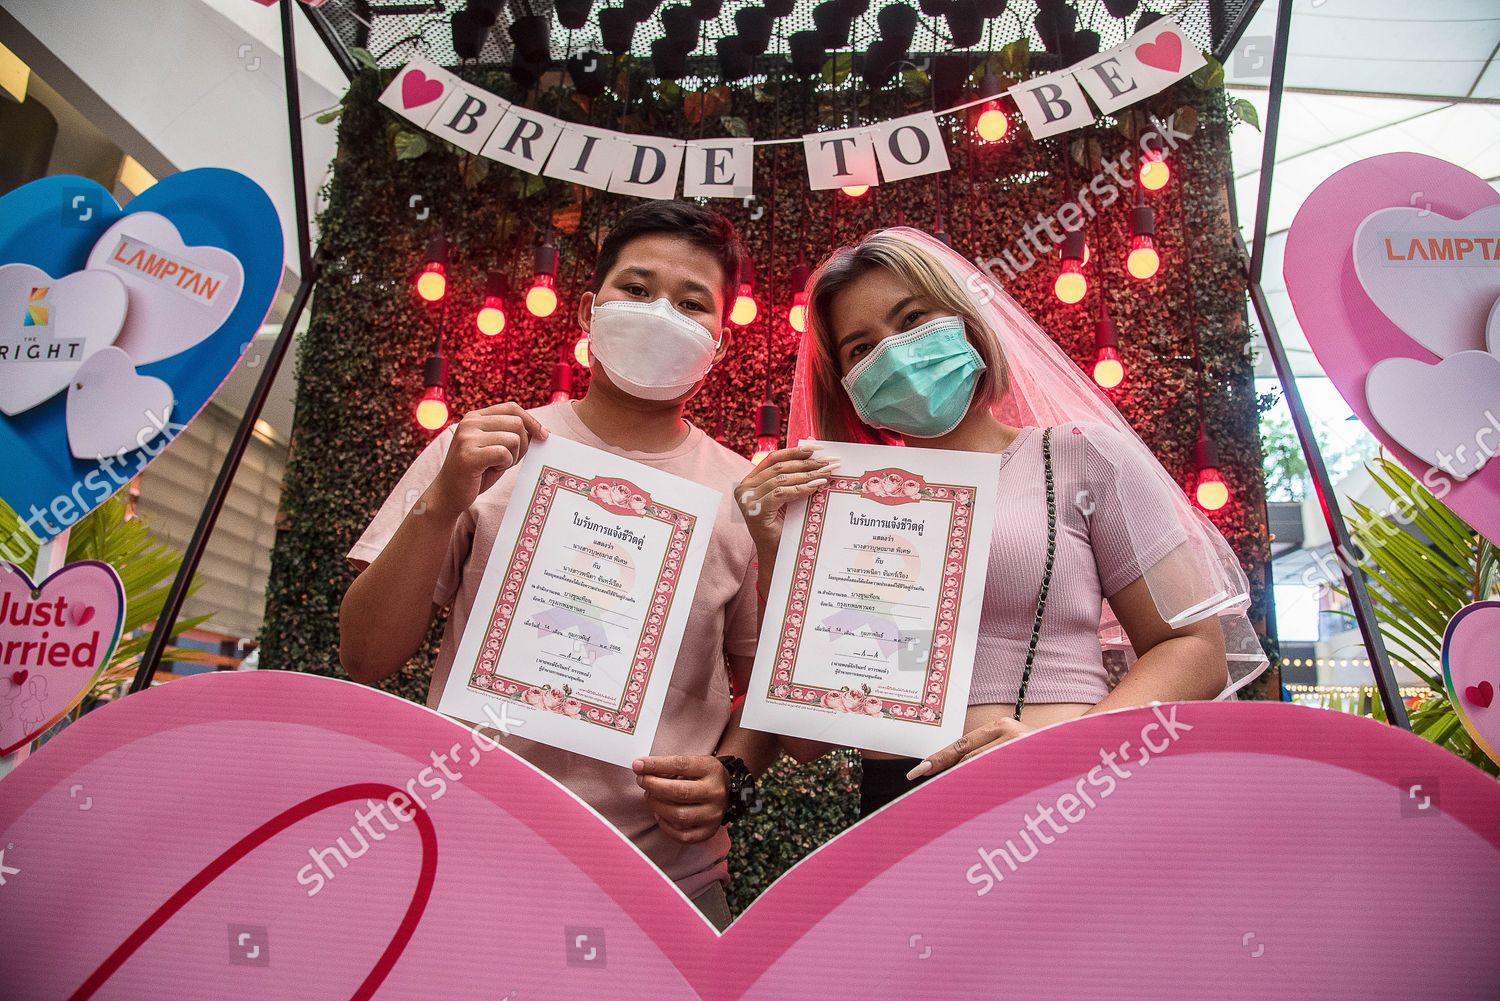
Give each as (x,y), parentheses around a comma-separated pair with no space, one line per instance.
(741,796)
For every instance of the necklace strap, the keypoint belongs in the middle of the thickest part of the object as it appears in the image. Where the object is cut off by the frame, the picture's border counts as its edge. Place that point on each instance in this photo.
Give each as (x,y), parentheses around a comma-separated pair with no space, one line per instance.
(1041,599)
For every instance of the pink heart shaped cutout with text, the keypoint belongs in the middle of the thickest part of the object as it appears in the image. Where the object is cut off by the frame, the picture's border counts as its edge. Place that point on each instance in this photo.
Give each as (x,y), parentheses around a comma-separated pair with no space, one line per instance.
(50,658)
(1349,333)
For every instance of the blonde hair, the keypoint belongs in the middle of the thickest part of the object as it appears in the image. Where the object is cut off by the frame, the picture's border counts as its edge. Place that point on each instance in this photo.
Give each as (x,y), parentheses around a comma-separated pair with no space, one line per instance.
(832,414)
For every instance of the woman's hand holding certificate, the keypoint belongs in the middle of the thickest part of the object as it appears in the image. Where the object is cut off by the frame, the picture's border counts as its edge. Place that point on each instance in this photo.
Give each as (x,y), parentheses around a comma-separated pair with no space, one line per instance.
(868,637)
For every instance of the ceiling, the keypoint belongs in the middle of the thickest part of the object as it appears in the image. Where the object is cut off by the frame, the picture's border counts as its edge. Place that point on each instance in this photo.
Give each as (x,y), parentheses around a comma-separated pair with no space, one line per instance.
(1382,76)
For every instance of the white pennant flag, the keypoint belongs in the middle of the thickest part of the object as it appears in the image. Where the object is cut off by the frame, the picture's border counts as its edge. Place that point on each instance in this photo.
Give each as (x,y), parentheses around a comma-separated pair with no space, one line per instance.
(840,158)
(648,168)
(468,116)
(523,139)
(909,147)
(584,155)
(419,90)
(1051,104)
(718,168)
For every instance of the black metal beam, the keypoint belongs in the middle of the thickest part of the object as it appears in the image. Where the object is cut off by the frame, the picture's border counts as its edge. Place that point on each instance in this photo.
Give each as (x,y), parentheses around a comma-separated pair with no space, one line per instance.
(1254,260)
(193,555)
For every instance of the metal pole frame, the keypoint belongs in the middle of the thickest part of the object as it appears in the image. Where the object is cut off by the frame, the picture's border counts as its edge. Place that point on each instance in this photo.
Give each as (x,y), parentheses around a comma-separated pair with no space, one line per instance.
(310,266)
(1253,260)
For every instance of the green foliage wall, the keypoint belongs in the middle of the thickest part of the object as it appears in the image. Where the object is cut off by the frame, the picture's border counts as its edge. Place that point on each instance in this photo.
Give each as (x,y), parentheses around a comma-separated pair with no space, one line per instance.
(359,370)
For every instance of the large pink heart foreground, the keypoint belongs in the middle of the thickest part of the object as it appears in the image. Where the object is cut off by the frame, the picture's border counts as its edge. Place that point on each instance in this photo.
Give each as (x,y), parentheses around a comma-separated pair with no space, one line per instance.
(55,639)
(1350,334)
(201,835)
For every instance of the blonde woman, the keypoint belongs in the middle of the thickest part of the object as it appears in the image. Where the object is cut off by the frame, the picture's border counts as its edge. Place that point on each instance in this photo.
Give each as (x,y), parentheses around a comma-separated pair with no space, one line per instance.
(908,344)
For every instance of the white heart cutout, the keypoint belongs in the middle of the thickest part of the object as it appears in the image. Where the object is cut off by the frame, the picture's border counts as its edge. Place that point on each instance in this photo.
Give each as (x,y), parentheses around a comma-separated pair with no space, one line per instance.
(114,409)
(1432,276)
(179,295)
(48,326)
(1447,414)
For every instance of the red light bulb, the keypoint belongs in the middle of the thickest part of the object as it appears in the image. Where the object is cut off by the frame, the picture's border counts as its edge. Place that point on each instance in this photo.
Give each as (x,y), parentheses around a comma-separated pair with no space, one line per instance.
(491,319)
(541,298)
(1154,173)
(993,123)
(1212,493)
(797,315)
(745,307)
(432,283)
(432,409)
(1143,261)
(1071,286)
(1109,372)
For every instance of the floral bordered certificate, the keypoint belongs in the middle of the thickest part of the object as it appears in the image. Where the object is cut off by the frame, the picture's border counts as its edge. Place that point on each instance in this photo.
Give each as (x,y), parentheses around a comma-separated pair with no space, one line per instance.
(869,632)
(583,601)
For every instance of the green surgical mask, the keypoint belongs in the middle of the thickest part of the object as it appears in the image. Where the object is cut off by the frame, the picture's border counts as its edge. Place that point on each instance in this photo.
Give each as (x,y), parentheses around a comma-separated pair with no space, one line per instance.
(917,383)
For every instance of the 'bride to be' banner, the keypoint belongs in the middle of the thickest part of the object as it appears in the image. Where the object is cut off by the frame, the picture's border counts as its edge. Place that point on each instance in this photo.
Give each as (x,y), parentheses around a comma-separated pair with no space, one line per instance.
(650,167)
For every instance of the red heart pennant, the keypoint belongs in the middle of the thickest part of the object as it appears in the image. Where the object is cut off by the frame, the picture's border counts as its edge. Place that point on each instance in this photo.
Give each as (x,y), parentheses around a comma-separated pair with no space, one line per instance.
(419,89)
(1164,54)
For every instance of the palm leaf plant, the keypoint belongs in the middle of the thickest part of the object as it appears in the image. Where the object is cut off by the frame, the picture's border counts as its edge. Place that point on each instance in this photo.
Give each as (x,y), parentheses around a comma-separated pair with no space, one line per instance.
(146,567)
(1424,563)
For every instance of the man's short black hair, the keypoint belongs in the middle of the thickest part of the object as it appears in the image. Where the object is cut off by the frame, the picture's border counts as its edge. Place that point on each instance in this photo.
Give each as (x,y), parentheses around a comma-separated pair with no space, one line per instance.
(700,226)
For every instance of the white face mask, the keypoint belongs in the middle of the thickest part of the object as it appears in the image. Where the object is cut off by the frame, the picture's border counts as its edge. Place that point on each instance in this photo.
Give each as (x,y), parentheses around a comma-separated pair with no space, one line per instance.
(651,351)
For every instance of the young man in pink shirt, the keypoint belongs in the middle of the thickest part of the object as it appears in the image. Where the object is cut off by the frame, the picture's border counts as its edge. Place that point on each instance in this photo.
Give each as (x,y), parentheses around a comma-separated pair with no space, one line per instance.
(663,285)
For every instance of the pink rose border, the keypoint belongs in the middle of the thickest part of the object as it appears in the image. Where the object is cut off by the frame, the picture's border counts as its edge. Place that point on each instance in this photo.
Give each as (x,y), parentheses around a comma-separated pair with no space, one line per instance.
(783,686)
(623,718)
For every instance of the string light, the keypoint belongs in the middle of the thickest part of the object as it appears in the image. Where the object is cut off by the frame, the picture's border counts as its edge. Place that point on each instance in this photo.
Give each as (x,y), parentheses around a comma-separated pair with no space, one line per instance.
(1109,371)
(745,308)
(432,408)
(1211,492)
(1071,285)
(491,317)
(541,298)
(1154,172)
(432,280)
(992,123)
(767,431)
(581,351)
(1144,261)
(855,190)
(797,315)
(562,378)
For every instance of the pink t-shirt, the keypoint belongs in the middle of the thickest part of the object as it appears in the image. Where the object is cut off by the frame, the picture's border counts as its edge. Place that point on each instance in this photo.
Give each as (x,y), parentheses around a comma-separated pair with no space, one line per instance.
(1096,479)
(723,619)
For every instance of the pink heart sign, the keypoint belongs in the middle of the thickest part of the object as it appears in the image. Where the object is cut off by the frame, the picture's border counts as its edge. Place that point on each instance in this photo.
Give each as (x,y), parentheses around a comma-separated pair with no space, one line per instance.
(55,639)
(1471,672)
(1429,394)
(352,844)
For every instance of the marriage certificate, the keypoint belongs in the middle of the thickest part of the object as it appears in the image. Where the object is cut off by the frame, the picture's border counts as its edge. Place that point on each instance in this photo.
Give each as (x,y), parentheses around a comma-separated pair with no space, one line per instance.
(870,624)
(583,601)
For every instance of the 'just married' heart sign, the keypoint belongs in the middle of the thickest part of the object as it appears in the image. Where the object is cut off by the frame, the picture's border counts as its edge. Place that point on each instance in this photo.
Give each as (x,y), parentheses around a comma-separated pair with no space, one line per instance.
(198,257)
(55,639)
(359,845)
(1392,277)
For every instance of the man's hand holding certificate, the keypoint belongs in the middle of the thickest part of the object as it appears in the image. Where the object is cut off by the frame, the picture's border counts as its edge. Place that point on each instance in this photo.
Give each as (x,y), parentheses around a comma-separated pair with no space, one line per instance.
(868,637)
(583,602)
